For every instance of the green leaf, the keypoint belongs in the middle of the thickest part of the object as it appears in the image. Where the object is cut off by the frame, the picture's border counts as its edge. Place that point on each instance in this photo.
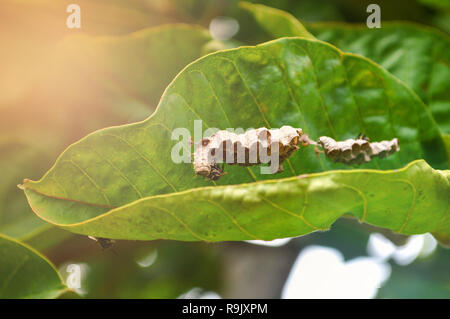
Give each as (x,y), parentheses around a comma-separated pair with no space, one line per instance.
(24,273)
(417,55)
(277,23)
(121,182)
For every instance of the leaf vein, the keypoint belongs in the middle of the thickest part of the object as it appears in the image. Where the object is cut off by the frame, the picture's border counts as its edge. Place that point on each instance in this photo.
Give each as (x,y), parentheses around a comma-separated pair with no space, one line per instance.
(181,222)
(316,80)
(223,111)
(235,222)
(364,199)
(119,171)
(145,159)
(92,181)
(301,217)
(408,216)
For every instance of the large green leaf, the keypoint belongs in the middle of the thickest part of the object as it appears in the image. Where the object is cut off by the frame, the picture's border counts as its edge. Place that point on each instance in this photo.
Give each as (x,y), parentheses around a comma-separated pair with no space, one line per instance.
(417,55)
(24,273)
(121,182)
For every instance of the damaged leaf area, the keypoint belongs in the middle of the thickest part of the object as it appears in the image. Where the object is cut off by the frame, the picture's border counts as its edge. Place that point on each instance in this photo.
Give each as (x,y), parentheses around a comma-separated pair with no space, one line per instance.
(121,182)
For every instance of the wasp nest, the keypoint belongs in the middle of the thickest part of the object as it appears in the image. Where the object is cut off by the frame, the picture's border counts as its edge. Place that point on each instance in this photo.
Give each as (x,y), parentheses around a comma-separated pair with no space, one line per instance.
(251,148)
(357,151)
(264,145)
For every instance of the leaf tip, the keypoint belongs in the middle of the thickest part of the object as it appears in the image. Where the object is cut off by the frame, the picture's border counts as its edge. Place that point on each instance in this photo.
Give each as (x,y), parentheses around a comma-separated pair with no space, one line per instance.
(23,186)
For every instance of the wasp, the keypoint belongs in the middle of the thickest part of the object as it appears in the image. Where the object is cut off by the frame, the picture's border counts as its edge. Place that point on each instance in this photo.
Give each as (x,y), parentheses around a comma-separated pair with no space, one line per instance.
(362,136)
(105,243)
(216,172)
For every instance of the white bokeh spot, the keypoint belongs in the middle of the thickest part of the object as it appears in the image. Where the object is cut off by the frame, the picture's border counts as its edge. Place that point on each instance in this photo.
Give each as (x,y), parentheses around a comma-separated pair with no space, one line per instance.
(417,246)
(270,243)
(147,260)
(223,28)
(199,293)
(321,272)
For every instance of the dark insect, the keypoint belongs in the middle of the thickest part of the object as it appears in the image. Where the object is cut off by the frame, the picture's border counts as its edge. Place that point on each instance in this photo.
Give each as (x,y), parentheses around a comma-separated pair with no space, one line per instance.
(105,243)
(216,172)
(362,136)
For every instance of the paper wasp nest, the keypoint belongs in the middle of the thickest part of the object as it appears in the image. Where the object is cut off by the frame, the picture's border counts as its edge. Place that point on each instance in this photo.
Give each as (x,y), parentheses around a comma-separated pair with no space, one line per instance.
(263,145)
(250,148)
(357,151)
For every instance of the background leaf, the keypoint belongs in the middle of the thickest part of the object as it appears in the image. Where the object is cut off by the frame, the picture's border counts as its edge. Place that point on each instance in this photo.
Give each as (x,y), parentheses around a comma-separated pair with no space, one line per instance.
(277,23)
(298,82)
(130,70)
(24,273)
(121,77)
